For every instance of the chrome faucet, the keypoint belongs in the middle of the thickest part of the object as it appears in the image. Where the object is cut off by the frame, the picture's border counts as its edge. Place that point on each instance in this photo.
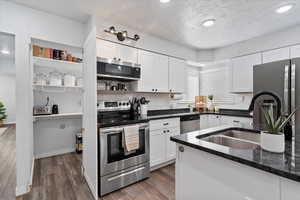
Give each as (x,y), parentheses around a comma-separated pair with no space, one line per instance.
(277,99)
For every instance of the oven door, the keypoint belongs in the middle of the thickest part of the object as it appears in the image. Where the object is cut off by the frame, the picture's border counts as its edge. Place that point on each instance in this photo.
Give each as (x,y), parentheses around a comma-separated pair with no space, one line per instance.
(113,158)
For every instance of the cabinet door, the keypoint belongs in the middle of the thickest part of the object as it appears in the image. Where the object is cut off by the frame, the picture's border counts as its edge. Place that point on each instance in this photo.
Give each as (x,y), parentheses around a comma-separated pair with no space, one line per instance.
(177,75)
(289,189)
(204,122)
(154,76)
(213,121)
(276,55)
(106,50)
(171,146)
(127,54)
(242,72)
(157,147)
(295,51)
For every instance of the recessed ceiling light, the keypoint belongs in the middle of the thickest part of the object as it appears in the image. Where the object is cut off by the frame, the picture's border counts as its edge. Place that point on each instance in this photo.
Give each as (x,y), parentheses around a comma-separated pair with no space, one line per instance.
(209,22)
(165,1)
(284,9)
(5,52)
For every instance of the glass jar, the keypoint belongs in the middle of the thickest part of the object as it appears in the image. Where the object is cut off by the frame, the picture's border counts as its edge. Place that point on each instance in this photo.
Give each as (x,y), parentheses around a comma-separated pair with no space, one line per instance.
(55,78)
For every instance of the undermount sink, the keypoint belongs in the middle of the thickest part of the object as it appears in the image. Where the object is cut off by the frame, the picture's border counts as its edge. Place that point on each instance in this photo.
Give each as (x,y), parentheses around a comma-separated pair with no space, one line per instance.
(236,139)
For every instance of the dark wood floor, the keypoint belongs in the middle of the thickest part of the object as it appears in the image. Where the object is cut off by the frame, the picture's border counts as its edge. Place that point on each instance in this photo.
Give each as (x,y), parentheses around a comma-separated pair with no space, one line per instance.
(59,178)
(8,164)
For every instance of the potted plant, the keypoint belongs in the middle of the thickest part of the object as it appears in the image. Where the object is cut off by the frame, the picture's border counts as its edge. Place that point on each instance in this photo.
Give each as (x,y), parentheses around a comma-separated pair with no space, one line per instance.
(2,113)
(210,105)
(273,139)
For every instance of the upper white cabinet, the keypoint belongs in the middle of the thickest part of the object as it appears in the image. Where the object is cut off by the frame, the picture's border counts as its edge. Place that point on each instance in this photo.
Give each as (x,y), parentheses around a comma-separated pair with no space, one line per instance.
(242,72)
(113,51)
(276,55)
(155,70)
(295,51)
(177,75)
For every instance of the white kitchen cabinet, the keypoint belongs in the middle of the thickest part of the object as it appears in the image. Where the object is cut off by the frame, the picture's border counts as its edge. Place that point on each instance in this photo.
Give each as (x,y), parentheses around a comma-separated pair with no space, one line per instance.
(200,175)
(127,54)
(157,147)
(242,72)
(289,189)
(171,146)
(295,51)
(236,121)
(276,55)
(162,149)
(112,51)
(204,122)
(154,75)
(214,120)
(177,75)
(106,49)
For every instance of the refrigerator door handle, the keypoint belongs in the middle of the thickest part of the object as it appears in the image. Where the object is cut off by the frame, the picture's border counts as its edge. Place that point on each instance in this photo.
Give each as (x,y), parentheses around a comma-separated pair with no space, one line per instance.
(293,92)
(286,90)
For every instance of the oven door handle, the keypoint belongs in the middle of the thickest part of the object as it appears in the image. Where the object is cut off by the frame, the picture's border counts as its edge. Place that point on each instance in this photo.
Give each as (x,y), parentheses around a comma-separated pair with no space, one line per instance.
(126,173)
(110,131)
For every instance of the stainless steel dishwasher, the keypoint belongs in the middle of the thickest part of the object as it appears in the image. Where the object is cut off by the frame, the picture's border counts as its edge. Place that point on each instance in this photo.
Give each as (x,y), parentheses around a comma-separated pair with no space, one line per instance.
(189,123)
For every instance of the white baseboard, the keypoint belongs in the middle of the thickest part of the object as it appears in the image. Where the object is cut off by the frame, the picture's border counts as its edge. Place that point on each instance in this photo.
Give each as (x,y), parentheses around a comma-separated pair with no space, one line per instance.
(21,190)
(54,153)
(91,186)
(32,173)
(162,165)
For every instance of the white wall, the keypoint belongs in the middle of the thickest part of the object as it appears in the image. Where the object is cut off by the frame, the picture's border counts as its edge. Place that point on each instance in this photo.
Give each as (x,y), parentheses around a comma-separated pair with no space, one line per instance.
(8,88)
(278,39)
(26,23)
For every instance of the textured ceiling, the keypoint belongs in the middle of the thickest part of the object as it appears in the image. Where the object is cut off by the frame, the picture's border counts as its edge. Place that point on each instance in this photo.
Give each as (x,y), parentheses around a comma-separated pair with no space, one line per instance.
(180,20)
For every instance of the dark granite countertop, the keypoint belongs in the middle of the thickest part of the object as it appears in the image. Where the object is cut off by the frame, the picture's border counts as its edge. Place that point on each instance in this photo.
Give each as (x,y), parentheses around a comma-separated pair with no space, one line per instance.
(285,165)
(169,113)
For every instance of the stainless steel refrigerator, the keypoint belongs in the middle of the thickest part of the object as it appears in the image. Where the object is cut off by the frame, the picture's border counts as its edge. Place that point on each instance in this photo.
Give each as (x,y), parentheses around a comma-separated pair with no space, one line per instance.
(283,79)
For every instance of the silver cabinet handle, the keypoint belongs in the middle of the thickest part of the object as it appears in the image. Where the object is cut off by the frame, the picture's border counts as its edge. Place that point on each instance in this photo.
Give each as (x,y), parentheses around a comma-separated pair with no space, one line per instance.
(235,121)
(181,149)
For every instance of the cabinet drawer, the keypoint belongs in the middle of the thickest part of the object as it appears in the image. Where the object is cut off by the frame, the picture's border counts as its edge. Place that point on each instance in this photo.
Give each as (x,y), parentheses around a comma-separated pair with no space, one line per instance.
(164,123)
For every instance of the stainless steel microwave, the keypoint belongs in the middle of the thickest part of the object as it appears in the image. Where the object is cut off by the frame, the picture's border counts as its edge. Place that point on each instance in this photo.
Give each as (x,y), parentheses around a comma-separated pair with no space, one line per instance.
(117,71)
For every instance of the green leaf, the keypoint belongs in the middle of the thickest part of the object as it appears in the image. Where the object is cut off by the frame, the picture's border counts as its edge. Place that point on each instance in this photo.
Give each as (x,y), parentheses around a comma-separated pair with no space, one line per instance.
(288,118)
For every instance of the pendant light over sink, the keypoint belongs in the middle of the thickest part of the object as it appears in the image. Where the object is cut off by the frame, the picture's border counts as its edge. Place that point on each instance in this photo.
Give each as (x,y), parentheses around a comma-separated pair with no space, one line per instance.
(121,35)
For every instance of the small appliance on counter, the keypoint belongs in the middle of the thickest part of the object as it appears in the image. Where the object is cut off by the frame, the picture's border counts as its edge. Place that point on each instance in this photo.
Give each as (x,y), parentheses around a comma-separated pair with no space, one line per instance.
(55,109)
(42,109)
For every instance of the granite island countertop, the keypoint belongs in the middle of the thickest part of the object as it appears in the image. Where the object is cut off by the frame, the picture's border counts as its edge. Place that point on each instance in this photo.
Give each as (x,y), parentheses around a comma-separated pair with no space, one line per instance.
(286,165)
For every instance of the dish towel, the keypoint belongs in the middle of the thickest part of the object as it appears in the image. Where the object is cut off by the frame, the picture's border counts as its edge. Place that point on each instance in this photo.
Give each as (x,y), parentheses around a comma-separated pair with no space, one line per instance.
(131,139)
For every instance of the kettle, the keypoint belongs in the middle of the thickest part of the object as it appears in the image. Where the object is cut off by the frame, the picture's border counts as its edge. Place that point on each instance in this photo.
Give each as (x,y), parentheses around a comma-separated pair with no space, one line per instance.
(55,109)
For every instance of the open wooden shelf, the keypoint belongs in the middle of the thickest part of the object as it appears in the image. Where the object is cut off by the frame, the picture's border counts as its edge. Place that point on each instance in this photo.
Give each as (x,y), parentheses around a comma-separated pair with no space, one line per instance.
(58,116)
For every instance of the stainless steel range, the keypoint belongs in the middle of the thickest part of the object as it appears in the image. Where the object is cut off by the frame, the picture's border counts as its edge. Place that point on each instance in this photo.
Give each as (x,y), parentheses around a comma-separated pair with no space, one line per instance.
(118,168)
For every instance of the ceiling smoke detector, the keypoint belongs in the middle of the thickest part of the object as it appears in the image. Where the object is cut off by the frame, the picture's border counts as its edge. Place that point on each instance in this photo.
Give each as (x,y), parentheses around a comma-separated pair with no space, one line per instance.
(121,35)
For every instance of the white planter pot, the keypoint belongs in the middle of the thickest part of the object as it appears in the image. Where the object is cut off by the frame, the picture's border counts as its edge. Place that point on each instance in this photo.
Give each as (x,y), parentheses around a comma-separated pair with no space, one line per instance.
(271,142)
(210,106)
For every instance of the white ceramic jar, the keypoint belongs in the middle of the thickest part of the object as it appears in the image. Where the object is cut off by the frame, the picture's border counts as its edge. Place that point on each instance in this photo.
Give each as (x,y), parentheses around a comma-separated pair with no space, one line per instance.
(69,80)
(272,142)
(40,79)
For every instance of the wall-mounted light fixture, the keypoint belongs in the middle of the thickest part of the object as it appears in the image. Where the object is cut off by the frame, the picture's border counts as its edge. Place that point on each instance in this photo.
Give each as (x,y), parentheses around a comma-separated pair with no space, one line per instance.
(121,35)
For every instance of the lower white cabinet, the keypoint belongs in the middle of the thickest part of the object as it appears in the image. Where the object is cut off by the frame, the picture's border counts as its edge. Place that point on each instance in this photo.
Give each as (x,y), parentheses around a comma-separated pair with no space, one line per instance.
(212,120)
(162,149)
(204,122)
(157,147)
(171,146)
(236,121)
(290,190)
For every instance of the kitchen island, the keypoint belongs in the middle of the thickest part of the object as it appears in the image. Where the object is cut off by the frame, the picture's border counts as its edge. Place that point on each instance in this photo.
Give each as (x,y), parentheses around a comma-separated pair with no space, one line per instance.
(207,170)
